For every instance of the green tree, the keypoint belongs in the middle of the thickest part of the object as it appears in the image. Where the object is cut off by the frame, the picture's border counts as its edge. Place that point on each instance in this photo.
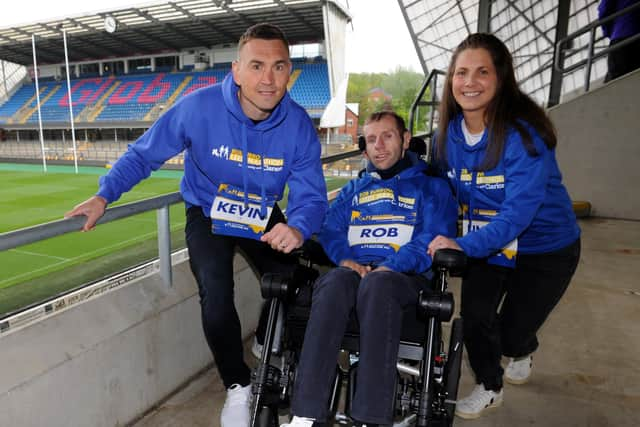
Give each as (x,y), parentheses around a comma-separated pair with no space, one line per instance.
(402,85)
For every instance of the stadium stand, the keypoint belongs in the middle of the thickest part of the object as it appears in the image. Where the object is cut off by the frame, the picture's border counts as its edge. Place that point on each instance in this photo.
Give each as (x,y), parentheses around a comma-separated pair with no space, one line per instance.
(143,97)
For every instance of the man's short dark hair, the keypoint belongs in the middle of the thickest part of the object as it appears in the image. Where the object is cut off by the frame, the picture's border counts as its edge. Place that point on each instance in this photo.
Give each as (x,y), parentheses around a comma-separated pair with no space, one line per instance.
(263,31)
(377,116)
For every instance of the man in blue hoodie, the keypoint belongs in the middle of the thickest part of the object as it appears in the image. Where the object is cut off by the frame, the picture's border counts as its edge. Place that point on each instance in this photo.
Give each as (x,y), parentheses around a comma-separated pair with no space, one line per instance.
(377,232)
(243,139)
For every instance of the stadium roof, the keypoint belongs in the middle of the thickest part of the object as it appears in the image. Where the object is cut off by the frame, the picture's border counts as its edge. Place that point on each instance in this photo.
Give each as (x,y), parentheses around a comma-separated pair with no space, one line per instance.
(529,28)
(167,26)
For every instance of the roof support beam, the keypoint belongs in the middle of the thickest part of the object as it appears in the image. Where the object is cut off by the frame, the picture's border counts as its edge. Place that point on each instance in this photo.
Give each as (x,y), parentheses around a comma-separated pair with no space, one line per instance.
(176,25)
(102,46)
(530,21)
(201,21)
(414,38)
(18,52)
(58,30)
(464,18)
(223,4)
(484,16)
(438,46)
(562,26)
(144,35)
(43,52)
(172,28)
(140,33)
(298,16)
(435,21)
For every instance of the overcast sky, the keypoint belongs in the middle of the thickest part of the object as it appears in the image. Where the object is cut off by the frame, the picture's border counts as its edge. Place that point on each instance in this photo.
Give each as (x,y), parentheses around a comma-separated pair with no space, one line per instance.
(377,40)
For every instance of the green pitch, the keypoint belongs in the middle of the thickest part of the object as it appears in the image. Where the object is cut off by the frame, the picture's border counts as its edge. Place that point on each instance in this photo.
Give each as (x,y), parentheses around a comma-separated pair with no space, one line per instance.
(29,196)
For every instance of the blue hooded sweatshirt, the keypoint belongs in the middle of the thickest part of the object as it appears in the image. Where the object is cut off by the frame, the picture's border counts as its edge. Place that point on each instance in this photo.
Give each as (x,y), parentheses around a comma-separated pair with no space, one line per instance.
(626,25)
(224,148)
(389,222)
(521,198)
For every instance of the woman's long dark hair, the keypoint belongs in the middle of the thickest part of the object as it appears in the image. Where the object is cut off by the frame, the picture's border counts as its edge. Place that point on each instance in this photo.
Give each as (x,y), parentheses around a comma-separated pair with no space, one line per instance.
(509,108)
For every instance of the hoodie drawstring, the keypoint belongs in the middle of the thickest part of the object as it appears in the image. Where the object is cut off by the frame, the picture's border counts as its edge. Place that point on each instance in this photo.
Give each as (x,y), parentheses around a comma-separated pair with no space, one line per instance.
(263,189)
(245,161)
(245,173)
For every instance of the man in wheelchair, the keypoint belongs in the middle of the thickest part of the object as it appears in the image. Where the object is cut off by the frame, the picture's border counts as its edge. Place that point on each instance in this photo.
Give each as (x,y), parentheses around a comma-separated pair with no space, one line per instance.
(376,232)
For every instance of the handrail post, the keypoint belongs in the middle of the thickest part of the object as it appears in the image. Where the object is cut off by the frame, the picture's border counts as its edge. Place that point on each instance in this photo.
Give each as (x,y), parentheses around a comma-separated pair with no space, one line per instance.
(164,245)
(414,106)
(432,115)
(587,72)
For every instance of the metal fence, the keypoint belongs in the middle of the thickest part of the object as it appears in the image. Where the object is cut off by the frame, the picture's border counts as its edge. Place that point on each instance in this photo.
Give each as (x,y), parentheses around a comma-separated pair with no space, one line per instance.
(14,239)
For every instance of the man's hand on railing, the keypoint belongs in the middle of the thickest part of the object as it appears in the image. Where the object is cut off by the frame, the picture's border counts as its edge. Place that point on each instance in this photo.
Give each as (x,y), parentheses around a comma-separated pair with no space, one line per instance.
(92,208)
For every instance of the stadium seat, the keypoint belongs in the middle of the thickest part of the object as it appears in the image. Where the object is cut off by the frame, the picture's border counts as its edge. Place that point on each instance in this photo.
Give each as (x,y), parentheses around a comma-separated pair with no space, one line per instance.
(133,96)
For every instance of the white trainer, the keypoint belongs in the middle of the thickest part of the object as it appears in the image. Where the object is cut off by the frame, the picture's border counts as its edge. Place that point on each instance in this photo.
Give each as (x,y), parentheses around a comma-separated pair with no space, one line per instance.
(256,348)
(299,422)
(518,371)
(478,401)
(236,411)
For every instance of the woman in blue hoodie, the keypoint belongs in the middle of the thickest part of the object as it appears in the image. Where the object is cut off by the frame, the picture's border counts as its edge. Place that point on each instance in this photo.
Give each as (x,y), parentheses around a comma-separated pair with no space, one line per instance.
(497,147)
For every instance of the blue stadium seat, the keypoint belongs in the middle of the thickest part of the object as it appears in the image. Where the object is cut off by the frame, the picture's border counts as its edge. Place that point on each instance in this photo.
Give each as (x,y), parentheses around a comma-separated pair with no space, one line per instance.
(136,94)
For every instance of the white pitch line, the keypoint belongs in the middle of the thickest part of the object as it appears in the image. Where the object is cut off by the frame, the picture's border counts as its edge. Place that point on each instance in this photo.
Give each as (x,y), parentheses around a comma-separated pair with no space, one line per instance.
(20,251)
(67,260)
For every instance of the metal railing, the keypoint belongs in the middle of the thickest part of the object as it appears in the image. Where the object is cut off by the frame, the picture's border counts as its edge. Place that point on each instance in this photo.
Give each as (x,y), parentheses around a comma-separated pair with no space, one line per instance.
(563,46)
(25,236)
(430,82)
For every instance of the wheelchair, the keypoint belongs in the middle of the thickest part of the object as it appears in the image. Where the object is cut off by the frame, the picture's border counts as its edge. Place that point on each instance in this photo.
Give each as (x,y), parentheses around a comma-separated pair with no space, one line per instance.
(428,373)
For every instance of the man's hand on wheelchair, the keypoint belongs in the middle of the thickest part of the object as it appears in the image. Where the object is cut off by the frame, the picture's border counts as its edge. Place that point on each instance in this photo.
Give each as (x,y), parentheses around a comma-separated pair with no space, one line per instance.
(362,270)
(442,242)
(283,238)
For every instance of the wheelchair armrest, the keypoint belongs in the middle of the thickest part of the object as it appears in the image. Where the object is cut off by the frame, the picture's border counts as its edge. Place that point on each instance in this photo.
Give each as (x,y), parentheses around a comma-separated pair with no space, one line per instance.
(438,305)
(275,285)
(450,259)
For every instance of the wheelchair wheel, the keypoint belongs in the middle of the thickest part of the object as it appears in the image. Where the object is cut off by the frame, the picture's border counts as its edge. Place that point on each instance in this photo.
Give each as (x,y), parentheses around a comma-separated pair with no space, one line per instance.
(452,369)
(267,417)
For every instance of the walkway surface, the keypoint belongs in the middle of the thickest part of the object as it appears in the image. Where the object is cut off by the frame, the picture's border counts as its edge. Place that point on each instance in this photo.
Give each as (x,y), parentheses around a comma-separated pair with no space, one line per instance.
(586,372)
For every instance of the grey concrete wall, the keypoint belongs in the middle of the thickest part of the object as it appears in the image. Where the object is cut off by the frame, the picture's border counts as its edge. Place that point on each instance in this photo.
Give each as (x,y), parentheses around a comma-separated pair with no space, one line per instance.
(599,147)
(106,361)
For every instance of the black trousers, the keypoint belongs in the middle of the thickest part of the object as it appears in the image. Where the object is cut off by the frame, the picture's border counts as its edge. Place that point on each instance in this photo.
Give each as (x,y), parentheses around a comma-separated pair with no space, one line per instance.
(622,60)
(211,261)
(378,299)
(530,292)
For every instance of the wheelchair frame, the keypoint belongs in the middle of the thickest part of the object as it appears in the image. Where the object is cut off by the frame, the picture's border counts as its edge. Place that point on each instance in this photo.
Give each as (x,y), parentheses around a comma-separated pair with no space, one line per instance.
(428,392)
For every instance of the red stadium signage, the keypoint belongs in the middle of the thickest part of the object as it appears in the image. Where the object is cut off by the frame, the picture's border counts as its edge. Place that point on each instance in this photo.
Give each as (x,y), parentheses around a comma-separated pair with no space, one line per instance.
(146,97)
(135,91)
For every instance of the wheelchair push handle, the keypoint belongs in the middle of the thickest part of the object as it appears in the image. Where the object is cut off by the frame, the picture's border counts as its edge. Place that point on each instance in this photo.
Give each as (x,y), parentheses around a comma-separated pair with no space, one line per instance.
(452,260)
